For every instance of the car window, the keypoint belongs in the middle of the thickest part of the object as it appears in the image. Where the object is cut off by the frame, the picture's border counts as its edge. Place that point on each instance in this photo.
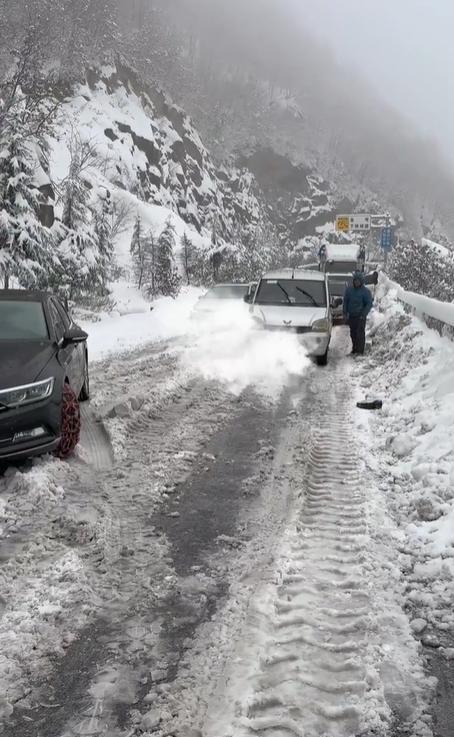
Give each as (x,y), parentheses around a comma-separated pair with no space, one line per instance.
(294,292)
(57,320)
(337,287)
(63,314)
(22,321)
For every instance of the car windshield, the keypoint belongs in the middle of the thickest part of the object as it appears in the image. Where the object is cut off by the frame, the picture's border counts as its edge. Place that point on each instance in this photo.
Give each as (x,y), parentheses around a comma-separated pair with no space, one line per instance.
(341,267)
(22,321)
(295,292)
(231,291)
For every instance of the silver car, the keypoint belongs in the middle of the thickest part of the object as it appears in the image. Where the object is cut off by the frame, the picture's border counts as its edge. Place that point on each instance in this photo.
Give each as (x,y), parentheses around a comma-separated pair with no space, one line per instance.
(296,300)
(219,296)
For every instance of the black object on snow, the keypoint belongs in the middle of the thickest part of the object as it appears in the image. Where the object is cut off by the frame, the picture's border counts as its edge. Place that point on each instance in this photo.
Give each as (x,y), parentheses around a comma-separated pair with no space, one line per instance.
(377,404)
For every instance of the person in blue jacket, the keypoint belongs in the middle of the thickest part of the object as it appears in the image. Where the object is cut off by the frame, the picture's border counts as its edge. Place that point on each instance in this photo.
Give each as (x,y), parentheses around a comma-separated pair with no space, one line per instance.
(357,305)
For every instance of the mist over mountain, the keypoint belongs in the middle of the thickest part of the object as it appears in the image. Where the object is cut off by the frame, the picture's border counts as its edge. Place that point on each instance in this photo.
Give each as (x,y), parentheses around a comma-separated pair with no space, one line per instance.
(268,80)
(274,113)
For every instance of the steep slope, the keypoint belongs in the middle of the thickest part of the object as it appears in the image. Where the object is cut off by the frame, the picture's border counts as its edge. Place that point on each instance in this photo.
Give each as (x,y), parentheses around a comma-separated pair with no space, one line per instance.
(150,156)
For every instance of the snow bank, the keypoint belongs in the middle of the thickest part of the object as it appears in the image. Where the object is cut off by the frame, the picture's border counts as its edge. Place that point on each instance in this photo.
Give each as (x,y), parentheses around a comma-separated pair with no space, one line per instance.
(412,369)
(123,331)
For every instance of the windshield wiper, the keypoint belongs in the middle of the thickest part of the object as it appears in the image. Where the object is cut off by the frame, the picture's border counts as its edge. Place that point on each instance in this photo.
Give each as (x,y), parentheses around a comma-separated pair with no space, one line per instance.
(285,292)
(307,295)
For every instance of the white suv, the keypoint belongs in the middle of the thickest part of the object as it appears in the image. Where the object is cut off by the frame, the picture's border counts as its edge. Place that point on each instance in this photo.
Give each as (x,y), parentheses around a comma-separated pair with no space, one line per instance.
(298,301)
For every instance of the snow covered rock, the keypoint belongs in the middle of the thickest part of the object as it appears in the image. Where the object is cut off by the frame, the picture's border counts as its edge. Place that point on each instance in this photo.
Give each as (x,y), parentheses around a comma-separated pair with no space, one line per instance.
(150,720)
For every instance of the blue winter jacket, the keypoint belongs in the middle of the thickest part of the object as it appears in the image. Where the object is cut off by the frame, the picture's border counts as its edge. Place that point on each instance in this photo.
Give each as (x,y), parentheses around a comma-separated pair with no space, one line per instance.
(358,301)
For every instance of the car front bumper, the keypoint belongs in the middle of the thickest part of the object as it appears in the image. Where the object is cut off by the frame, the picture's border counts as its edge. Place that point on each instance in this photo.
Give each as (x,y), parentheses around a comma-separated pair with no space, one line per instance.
(17,443)
(316,344)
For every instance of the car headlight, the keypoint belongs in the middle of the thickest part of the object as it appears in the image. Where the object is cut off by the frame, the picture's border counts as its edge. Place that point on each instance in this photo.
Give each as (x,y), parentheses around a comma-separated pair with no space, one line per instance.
(20,395)
(321,326)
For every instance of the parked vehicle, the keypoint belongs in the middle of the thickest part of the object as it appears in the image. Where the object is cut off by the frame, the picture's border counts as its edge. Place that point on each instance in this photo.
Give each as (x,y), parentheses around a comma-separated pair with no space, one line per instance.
(296,300)
(43,375)
(339,263)
(219,295)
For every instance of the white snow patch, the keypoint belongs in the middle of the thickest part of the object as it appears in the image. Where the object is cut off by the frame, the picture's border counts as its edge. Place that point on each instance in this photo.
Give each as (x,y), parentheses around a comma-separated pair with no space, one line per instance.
(118,333)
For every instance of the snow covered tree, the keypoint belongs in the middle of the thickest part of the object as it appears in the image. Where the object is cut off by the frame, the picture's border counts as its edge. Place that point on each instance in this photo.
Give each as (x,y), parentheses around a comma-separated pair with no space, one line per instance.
(25,244)
(421,268)
(103,224)
(167,279)
(143,251)
(27,111)
(188,257)
(79,247)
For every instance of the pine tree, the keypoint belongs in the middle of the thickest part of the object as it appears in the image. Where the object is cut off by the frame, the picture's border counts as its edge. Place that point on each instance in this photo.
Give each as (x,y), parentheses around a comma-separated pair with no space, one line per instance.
(143,250)
(25,244)
(103,231)
(78,246)
(188,257)
(167,279)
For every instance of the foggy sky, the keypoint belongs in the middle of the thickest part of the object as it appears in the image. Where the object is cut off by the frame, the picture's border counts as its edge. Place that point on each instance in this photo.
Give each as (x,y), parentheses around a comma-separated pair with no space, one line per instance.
(404,48)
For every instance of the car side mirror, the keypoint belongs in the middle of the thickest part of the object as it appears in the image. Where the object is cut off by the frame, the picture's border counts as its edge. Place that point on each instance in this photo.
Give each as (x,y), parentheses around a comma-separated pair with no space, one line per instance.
(375,278)
(72,336)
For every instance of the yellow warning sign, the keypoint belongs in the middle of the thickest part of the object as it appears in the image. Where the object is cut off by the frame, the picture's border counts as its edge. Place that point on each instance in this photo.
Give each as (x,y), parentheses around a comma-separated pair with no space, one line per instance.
(343,223)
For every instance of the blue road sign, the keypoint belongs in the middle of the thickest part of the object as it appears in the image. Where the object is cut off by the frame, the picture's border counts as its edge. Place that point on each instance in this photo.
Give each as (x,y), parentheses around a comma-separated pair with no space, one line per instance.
(387,238)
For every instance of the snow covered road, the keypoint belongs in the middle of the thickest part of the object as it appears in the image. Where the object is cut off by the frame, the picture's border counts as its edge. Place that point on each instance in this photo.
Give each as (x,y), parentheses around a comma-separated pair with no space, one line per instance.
(213,563)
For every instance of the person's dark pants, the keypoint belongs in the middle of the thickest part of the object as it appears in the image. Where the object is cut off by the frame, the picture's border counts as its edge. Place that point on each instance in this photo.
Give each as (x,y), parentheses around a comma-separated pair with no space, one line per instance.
(358,333)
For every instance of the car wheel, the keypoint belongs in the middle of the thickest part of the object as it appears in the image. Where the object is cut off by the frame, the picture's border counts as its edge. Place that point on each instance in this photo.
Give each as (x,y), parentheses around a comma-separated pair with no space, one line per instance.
(322,360)
(70,423)
(84,395)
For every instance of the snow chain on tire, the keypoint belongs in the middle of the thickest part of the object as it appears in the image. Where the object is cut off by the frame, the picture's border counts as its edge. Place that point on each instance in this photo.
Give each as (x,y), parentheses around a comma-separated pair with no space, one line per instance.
(70,423)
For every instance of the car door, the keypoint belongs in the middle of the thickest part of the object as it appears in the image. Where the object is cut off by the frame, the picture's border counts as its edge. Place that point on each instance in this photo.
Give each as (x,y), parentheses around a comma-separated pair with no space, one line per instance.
(79,348)
(68,355)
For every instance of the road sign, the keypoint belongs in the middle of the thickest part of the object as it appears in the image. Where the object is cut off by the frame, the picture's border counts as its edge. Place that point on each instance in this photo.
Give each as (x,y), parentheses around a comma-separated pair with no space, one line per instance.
(387,238)
(358,223)
(343,223)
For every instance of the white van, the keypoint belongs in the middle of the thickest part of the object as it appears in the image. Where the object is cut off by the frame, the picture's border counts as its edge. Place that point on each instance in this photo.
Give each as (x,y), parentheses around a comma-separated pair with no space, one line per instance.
(296,300)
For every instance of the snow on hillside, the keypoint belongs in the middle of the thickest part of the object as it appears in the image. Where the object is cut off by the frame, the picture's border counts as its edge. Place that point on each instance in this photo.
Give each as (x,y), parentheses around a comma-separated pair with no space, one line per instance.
(442,250)
(136,162)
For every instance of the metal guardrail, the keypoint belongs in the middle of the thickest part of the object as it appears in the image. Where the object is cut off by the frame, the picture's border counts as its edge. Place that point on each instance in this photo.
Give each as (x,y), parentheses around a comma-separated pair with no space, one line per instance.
(436,314)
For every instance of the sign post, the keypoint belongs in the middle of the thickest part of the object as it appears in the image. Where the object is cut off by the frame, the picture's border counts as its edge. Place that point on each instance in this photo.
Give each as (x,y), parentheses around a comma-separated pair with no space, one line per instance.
(387,240)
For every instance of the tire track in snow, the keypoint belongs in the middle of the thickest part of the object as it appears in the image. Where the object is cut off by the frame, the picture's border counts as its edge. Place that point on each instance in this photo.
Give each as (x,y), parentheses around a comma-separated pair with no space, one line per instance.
(314,661)
(312,679)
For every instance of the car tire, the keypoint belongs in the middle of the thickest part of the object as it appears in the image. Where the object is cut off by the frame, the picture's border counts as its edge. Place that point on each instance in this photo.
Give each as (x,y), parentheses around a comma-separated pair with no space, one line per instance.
(70,423)
(322,360)
(84,395)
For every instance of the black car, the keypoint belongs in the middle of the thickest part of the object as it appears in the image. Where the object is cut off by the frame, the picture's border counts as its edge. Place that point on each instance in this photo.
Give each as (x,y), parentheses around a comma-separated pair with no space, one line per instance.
(43,375)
